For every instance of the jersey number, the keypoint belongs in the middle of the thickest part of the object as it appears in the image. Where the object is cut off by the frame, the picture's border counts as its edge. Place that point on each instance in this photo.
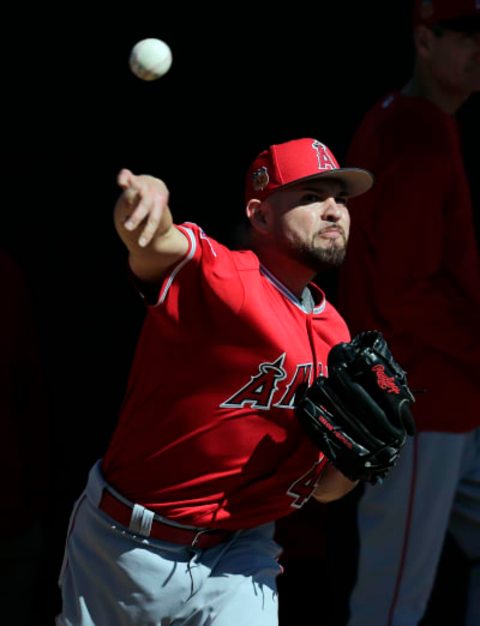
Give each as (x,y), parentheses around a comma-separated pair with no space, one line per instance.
(302,489)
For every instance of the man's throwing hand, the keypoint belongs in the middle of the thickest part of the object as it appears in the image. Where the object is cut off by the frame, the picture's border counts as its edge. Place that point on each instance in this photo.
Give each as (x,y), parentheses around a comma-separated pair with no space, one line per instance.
(146,197)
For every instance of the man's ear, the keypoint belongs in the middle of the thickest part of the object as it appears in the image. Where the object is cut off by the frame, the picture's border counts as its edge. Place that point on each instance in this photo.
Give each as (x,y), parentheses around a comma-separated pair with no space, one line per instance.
(258,215)
(423,38)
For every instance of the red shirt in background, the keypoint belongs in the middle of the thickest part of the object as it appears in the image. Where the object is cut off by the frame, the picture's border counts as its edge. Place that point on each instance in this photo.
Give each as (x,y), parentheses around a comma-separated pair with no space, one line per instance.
(412,268)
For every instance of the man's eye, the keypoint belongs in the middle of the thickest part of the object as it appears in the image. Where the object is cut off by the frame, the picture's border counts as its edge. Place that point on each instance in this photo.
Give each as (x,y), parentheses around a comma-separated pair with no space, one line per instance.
(310,198)
(341,200)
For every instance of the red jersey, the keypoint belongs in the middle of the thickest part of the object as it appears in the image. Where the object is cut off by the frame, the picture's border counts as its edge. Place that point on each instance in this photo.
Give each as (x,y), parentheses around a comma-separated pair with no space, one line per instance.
(412,268)
(207,434)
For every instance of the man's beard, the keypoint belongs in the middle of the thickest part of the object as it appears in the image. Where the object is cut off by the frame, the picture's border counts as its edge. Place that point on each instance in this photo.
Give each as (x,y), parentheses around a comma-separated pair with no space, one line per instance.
(319,259)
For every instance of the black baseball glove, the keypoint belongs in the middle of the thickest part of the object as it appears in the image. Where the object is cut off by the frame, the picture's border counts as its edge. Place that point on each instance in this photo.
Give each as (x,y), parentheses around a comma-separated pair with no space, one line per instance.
(360,415)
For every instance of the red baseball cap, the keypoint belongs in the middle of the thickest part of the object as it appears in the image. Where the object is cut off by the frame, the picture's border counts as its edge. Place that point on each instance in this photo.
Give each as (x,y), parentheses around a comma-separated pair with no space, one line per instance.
(460,14)
(285,164)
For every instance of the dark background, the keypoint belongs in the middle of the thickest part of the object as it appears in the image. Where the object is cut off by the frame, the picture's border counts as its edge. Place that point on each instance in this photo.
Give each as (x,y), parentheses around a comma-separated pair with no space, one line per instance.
(243,77)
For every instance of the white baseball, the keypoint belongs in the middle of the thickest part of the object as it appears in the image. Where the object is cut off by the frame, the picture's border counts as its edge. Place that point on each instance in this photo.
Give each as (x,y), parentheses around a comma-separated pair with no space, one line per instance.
(150,59)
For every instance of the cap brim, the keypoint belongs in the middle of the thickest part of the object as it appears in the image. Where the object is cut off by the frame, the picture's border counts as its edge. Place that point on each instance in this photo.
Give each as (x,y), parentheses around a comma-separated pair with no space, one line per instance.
(355,181)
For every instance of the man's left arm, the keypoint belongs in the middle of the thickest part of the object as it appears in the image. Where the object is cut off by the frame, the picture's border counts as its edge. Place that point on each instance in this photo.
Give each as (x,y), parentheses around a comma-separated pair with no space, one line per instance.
(332,485)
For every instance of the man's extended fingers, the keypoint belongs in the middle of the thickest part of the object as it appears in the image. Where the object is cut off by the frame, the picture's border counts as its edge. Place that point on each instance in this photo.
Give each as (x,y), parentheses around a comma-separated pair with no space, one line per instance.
(138,215)
(153,222)
(151,203)
(147,197)
(124,178)
(133,188)
(139,195)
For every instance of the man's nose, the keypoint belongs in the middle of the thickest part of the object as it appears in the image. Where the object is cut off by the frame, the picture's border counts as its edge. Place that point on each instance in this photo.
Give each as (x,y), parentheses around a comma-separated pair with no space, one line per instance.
(332,212)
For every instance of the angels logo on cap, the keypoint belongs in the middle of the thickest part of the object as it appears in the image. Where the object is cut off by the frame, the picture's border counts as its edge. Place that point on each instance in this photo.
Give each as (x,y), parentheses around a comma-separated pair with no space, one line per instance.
(325,161)
(285,164)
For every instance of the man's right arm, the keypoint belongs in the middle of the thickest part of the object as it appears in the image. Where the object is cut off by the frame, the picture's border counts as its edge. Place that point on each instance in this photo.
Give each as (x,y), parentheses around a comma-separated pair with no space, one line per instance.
(144,223)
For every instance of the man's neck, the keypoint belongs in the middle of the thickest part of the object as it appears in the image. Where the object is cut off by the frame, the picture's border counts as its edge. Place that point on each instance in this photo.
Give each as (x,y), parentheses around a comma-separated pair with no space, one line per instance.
(290,273)
(422,85)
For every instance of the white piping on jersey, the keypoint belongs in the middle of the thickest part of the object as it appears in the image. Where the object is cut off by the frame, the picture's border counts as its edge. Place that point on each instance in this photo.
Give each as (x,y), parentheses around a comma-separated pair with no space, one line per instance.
(289,294)
(204,236)
(191,252)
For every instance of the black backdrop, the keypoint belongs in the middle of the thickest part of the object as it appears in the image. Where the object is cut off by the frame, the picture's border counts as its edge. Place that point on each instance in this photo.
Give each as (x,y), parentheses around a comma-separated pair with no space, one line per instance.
(243,76)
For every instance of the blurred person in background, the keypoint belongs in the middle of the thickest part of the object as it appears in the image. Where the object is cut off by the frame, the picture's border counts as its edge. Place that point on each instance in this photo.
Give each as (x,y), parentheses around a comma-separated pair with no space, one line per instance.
(413,271)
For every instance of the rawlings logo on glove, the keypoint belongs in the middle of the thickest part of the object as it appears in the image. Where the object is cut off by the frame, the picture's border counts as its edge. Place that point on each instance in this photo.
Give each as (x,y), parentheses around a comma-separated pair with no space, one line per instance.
(384,381)
(360,415)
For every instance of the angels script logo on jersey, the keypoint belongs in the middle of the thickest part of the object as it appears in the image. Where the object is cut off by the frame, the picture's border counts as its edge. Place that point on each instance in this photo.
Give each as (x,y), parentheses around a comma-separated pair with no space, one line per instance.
(270,386)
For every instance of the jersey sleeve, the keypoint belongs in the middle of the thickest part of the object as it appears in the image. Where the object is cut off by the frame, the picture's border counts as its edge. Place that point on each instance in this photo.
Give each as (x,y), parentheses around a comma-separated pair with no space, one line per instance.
(207,277)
